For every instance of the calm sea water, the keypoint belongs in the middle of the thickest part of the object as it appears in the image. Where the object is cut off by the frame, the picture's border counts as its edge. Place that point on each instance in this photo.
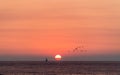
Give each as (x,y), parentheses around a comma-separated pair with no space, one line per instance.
(59,68)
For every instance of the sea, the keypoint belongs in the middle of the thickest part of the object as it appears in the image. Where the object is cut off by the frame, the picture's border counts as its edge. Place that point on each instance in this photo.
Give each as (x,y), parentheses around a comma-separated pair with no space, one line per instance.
(59,68)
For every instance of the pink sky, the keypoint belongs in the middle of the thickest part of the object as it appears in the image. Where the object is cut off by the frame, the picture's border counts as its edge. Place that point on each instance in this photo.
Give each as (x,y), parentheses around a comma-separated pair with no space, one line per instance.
(49,27)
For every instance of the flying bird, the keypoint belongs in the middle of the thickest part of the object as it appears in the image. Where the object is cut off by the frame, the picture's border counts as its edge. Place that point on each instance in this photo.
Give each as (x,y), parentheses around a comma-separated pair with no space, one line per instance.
(79,49)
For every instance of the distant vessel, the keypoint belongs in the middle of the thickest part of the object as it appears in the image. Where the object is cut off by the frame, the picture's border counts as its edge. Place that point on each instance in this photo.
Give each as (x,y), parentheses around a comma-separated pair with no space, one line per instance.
(46,60)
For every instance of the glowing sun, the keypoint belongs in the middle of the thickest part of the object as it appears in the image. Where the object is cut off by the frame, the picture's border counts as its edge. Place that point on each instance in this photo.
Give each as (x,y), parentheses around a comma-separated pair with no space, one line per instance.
(58,57)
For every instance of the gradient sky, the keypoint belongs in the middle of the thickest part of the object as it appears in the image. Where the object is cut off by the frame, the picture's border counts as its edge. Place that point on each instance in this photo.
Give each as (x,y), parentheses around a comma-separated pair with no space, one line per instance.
(35,29)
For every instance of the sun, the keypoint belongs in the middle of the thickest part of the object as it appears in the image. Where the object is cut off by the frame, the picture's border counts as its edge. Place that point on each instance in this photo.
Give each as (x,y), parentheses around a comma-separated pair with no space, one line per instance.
(58,57)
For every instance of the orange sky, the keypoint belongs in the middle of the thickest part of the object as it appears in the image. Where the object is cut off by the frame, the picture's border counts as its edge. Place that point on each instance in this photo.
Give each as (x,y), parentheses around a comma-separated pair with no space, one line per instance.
(49,27)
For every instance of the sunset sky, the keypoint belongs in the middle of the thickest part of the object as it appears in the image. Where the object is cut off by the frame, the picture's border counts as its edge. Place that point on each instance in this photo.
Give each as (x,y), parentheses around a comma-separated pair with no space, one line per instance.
(36,29)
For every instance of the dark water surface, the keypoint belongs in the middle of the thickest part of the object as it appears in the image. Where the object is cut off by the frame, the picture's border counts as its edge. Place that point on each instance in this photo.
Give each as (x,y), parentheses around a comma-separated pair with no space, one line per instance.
(59,68)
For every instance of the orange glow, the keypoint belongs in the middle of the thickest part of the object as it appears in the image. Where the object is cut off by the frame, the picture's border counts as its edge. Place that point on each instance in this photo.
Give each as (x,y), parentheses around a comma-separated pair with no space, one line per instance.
(48,27)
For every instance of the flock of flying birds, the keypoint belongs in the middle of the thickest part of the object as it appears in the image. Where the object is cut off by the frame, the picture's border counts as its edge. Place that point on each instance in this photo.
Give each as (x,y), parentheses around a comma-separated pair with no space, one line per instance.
(79,49)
